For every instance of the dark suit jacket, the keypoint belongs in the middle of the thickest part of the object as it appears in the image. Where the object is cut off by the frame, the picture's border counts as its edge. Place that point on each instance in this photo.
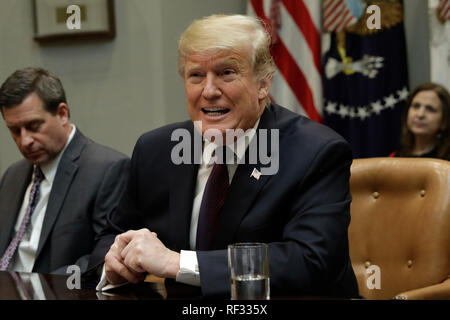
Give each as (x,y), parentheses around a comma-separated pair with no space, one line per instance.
(302,211)
(88,182)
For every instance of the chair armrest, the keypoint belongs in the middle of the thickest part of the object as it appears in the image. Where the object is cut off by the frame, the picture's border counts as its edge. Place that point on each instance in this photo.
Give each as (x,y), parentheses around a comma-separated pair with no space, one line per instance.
(439,291)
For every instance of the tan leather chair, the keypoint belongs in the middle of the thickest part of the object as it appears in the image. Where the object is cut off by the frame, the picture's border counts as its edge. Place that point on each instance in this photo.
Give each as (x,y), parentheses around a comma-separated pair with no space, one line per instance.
(400,222)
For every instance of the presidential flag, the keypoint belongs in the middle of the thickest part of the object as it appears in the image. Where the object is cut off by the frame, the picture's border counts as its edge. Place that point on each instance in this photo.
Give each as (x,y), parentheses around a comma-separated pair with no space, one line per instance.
(295,27)
(365,76)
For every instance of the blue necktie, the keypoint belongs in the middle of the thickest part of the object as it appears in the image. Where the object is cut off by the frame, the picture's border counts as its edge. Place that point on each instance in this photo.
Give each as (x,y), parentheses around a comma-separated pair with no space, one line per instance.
(32,203)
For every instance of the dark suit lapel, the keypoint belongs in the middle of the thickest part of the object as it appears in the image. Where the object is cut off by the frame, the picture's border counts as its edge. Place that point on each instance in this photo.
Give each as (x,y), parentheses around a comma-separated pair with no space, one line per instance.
(243,190)
(65,174)
(182,187)
(10,208)
(183,178)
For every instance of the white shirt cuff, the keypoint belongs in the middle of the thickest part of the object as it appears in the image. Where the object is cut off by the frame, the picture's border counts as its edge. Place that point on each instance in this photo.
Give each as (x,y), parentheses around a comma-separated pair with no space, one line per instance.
(189,272)
(103,285)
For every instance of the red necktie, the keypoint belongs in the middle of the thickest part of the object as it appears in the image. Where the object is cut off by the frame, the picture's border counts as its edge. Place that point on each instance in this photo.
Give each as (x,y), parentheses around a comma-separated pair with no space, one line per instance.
(212,201)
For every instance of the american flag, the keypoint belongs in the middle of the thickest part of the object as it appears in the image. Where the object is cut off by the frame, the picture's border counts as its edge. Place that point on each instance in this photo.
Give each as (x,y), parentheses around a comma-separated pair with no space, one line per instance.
(336,15)
(444,9)
(295,26)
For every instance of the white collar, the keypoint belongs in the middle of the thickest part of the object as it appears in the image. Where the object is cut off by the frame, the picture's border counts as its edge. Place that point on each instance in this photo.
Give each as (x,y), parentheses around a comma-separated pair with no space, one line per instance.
(239,147)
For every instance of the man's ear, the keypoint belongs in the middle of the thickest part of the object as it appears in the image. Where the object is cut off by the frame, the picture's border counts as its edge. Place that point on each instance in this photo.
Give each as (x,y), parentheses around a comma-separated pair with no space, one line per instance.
(63,112)
(264,88)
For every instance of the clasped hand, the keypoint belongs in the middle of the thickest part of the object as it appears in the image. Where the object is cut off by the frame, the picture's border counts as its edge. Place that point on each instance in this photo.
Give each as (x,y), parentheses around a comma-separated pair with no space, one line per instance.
(136,253)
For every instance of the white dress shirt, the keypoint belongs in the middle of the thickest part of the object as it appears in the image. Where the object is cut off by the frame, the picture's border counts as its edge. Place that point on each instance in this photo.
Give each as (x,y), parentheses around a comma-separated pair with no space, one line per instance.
(189,270)
(25,256)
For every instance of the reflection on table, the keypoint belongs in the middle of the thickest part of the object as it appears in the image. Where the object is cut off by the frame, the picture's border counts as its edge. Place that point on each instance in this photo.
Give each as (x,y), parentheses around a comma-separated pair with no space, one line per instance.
(34,286)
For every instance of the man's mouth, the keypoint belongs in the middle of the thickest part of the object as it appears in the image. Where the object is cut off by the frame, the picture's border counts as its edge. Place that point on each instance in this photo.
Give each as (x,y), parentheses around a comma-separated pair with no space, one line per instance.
(33,154)
(215,111)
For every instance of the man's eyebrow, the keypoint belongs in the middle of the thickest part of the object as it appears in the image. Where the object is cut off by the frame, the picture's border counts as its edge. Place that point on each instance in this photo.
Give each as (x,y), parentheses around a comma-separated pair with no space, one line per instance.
(35,121)
(233,62)
(25,124)
(227,62)
(193,67)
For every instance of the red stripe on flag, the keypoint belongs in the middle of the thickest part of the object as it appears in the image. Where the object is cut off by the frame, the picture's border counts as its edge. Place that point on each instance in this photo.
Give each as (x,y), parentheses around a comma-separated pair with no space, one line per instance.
(289,69)
(345,18)
(330,13)
(446,12)
(296,80)
(444,9)
(349,19)
(329,10)
(335,18)
(259,10)
(305,23)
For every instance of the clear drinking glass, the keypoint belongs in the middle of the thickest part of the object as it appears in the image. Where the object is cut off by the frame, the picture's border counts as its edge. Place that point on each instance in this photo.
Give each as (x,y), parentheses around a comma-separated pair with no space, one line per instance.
(249,271)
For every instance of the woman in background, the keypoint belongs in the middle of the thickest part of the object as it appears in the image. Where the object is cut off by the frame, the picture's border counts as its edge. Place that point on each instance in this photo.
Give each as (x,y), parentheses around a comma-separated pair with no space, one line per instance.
(426,126)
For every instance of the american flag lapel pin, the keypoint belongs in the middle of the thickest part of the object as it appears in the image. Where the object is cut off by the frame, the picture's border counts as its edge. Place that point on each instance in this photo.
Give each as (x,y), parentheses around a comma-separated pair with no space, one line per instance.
(255,174)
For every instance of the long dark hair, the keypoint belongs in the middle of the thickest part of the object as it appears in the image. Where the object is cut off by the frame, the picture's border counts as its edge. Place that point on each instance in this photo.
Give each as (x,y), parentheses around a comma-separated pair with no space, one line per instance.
(443,136)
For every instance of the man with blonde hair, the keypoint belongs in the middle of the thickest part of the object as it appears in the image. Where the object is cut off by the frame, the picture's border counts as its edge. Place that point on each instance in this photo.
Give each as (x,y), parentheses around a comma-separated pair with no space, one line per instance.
(176,219)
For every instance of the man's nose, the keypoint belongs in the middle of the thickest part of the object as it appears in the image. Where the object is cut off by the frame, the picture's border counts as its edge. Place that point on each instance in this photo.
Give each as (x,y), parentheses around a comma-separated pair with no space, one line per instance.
(211,89)
(26,138)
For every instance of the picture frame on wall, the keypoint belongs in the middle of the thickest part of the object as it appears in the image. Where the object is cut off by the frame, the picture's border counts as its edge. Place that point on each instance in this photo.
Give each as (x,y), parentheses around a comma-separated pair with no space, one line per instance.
(53,21)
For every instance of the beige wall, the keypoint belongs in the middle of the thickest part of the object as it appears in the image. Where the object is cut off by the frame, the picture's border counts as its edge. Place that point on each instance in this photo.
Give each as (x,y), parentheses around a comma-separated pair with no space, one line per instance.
(417,41)
(120,89)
